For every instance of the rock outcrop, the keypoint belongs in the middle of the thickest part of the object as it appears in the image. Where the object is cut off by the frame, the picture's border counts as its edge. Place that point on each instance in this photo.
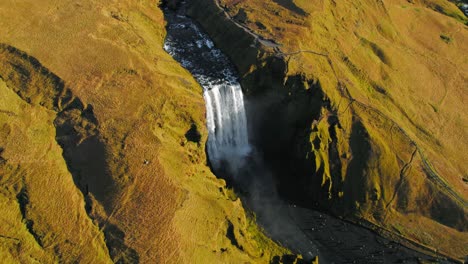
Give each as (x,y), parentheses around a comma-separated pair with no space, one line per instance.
(172,4)
(337,111)
(102,138)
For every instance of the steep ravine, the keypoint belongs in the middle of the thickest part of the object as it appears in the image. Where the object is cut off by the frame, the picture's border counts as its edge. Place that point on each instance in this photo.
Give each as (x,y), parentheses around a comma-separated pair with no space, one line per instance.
(228,148)
(293,126)
(336,153)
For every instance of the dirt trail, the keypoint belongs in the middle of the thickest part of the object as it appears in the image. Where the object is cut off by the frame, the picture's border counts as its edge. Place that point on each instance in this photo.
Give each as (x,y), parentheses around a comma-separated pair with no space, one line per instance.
(260,39)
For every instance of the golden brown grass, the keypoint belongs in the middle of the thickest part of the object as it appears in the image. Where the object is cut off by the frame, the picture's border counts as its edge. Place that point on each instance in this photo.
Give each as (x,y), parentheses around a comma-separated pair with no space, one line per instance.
(404,63)
(171,208)
(390,56)
(34,163)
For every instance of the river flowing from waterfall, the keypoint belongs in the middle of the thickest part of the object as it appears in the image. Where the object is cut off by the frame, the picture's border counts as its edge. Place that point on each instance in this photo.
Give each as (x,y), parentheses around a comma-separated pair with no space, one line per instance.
(229,152)
(304,231)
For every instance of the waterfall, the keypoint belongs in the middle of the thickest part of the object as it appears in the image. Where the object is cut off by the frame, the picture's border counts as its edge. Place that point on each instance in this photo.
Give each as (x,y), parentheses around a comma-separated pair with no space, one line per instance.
(228,141)
(227,124)
(228,147)
(229,150)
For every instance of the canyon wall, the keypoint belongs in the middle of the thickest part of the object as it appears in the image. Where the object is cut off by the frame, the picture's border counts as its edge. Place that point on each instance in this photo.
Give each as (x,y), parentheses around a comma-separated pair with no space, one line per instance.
(339,138)
(97,164)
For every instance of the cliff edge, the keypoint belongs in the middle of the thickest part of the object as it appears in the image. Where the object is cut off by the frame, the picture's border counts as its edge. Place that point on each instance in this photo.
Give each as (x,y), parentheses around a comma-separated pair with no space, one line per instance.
(359,108)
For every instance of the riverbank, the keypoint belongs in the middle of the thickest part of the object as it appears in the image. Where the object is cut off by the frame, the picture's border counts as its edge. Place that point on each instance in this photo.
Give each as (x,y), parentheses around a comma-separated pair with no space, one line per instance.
(102,143)
(323,119)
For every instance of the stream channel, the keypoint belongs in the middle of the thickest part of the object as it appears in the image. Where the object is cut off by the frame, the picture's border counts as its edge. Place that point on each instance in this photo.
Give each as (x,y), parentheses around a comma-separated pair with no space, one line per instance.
(303,231)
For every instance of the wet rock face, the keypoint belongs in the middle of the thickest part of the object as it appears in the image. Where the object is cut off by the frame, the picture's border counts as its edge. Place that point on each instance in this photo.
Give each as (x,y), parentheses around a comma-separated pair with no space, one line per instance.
(172,4)
(356,162)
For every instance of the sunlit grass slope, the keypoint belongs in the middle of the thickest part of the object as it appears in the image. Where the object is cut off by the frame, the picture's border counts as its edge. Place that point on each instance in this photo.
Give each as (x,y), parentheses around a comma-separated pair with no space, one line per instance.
(94,163)
(387,144)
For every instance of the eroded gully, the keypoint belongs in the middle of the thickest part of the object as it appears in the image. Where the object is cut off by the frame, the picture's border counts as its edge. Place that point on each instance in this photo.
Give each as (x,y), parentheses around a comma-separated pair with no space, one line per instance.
(304,231)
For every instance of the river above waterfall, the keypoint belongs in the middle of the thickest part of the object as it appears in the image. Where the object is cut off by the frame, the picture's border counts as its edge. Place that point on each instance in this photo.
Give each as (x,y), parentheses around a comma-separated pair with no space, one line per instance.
(228,141)
(229,151)
(304,231)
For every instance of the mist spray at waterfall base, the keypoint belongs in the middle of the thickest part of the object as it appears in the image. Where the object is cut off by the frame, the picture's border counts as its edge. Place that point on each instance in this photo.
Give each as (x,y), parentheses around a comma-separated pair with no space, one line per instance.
(231,157)
(228,148)
(228,143)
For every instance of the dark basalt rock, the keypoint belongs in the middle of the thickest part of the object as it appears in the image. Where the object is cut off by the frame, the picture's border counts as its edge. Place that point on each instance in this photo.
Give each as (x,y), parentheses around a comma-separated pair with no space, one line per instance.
(172,4)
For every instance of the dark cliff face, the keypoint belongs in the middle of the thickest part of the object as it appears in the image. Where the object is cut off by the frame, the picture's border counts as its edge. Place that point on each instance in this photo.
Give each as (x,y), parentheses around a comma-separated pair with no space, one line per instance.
(172,4)
(356,163)
(283,113)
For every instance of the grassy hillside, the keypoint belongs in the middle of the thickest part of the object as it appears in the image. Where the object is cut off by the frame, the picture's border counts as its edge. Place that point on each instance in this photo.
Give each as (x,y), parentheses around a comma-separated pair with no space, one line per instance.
(364,107)
(94,163)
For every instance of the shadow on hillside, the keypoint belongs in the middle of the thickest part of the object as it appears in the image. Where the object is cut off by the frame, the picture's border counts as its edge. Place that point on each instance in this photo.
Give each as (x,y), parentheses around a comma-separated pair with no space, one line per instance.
(291,6)
(76,132)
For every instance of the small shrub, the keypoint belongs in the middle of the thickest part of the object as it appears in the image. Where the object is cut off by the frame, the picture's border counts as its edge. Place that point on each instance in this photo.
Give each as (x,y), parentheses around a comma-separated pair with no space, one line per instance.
(446,38)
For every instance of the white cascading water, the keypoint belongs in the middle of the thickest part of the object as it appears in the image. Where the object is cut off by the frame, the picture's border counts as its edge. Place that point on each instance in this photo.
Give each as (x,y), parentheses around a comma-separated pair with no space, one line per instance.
(228,141)
(228,148)
(227,124)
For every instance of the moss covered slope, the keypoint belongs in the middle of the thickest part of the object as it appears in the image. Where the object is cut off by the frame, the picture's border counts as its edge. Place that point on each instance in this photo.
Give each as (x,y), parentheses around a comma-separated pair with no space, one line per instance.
(94,163)
(363,104)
